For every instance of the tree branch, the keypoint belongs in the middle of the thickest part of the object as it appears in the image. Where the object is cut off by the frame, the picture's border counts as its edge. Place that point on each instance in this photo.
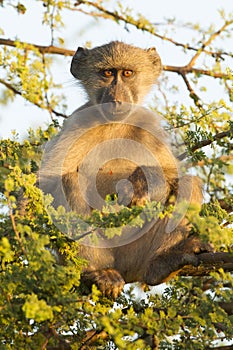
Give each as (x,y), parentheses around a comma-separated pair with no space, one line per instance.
(192,93)
(208,42)
(208,262)
(92,337)
(42,49)
(227,205)
(17,92)
(145,27)
(228,307)
(207,142)
(226,347)
(10,87)
(183,70)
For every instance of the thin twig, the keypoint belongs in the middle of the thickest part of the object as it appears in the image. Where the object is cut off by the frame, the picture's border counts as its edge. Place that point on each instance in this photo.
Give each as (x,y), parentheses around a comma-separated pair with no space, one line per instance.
(208,42)
(192,94)
(17,234)
(206,142)
(129,20)
(17,92)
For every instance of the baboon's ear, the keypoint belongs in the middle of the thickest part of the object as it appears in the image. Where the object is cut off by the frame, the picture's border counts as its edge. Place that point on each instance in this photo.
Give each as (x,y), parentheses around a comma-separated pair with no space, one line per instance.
(81,52)
(152,50)
(156,61)
(80,55)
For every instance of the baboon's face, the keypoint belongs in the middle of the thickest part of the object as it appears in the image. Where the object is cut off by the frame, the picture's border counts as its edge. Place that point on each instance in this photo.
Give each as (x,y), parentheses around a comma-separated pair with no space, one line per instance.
(116,73)
(117,87)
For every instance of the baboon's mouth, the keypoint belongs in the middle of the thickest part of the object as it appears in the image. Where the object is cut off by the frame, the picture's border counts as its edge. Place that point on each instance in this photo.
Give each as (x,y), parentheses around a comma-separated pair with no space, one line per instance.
(116,111)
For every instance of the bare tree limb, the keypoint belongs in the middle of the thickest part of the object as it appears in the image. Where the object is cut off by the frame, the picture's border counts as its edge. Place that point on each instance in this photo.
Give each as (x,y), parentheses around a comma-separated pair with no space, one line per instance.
(183,70)
(208,262)
(42,49)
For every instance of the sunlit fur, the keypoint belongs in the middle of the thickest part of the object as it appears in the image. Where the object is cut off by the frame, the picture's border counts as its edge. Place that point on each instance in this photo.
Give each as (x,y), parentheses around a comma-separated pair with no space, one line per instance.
(157,254)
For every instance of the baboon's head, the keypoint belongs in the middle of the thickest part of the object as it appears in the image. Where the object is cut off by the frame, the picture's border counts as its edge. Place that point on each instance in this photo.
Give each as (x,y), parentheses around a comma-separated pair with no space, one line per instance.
(116,72)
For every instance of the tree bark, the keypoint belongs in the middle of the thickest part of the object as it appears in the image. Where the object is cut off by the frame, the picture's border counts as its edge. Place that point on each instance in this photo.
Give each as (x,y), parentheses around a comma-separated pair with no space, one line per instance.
(208,262)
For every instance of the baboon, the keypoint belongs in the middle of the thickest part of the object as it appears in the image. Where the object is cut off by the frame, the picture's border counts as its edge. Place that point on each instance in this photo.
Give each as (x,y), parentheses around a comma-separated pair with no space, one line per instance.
(112,145)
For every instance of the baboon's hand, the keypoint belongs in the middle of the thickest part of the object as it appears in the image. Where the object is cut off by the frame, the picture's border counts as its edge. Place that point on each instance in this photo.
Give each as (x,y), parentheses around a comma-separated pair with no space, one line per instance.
(191,248)
(195,245)
(109,281)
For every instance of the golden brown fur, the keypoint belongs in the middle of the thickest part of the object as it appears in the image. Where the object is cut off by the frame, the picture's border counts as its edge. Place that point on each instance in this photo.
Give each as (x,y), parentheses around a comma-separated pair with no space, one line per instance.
(77,154)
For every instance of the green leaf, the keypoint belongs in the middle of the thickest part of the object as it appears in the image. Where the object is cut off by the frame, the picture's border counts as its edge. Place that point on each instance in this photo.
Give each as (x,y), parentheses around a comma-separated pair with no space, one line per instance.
(37,310)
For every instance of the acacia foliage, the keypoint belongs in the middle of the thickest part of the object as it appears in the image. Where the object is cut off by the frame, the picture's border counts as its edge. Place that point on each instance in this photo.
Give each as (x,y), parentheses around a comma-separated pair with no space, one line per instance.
(42,303)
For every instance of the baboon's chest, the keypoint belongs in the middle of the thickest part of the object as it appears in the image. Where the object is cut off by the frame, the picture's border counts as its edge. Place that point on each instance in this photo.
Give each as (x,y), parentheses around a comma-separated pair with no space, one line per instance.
(112,175)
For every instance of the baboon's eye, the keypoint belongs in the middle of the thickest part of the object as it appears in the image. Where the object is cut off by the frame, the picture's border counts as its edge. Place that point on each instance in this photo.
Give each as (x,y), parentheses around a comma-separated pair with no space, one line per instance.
(107,73)
(127,73)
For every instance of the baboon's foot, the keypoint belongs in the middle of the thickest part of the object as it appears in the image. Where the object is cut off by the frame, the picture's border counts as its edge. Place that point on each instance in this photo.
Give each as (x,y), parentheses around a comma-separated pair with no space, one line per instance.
(109,281)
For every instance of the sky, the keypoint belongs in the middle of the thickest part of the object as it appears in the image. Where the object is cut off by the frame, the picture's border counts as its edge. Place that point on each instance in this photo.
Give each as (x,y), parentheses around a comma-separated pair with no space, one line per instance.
(79,29)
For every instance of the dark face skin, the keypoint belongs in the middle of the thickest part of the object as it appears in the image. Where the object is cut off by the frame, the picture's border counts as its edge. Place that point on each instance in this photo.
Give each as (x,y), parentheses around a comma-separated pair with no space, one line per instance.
(116,86)
(117,90)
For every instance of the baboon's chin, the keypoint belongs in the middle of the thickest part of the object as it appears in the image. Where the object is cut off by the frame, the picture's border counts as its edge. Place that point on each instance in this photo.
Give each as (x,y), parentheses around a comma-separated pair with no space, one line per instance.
(115,111)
